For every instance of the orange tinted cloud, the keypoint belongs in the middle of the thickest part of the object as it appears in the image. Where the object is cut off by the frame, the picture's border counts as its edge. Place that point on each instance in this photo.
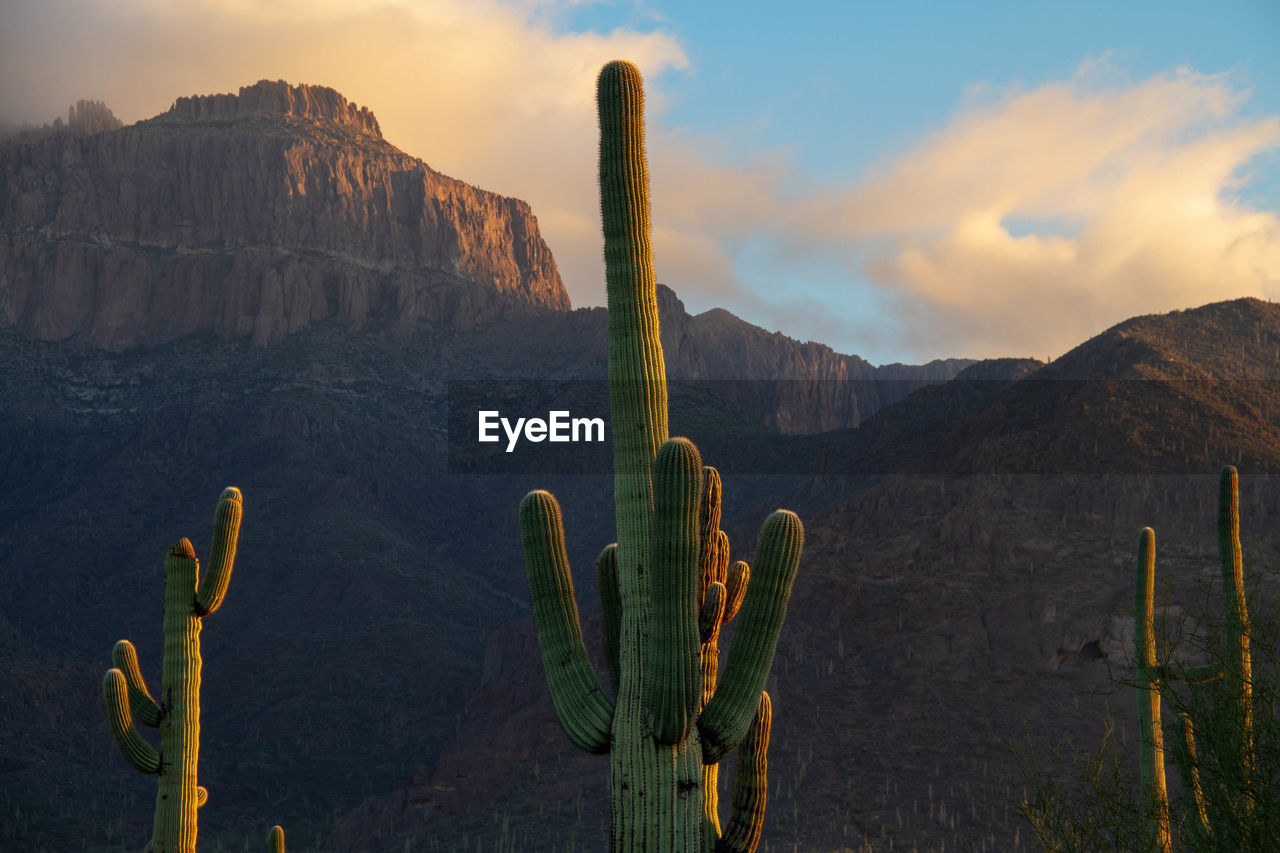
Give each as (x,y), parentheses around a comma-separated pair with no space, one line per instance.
(1029,221)
(1028,225)
(485,91)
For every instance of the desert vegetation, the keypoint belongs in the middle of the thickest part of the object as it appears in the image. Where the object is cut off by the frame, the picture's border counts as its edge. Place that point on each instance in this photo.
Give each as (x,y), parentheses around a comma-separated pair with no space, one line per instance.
(1225,741)
(666,586)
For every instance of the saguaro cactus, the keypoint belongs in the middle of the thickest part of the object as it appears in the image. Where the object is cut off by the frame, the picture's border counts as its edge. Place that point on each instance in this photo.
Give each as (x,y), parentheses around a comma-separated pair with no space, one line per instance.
(665,585)
(1236,669)
(188,598)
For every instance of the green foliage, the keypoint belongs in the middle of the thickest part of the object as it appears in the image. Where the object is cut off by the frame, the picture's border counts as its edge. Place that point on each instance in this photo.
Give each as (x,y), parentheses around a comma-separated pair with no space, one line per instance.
(666,587)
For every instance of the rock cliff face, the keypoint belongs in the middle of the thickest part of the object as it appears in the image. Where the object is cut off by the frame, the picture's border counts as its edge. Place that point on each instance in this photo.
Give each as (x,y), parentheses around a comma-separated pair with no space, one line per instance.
(252,215)
(811,388)
(318,103)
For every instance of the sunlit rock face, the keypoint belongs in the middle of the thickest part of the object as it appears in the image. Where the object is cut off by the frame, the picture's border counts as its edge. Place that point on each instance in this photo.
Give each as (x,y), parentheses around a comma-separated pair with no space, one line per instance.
(253,215)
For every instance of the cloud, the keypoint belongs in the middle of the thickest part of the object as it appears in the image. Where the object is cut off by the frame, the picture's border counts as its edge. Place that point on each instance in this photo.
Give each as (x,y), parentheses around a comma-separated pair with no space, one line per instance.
(1031,219)
(490,92)
(1031,223)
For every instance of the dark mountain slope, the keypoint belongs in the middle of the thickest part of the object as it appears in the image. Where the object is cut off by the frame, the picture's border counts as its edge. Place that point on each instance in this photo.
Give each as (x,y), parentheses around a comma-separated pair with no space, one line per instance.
(976,589)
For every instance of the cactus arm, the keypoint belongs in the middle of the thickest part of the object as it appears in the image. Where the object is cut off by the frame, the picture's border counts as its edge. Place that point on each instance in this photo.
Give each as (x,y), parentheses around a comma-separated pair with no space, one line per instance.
(1236,617)
(275,838)
(712,612)
(709,512)
(584,710)
(144,708)
(735,589)
(142,755)
(226,531)
(719,570)
(610,609)
(1191,778)
(750,785)
(1155,799)
(727,717)
(1189,674)
(674,682)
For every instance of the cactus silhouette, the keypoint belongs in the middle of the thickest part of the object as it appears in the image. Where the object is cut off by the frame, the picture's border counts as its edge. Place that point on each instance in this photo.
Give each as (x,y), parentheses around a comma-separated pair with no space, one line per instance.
(188,598)
(665,585)
(1235,669)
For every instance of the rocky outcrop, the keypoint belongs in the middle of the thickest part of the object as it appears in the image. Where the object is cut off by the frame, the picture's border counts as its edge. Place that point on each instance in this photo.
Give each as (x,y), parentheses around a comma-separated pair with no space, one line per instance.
(800,387)
(318,103)
(253,215)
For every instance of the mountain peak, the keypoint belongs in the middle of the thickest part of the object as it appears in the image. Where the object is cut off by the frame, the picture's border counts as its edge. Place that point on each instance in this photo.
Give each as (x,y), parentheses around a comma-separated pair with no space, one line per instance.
(318,103)
(254,215)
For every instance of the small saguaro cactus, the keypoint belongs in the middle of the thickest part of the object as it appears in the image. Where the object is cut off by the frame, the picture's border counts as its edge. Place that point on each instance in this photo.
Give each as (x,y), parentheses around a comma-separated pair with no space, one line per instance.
(666,585)
(1235,669)
(275,839)
(188,598)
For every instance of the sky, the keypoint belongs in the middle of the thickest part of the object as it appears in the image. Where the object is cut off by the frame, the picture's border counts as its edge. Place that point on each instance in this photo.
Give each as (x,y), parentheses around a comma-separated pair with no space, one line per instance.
(899,180)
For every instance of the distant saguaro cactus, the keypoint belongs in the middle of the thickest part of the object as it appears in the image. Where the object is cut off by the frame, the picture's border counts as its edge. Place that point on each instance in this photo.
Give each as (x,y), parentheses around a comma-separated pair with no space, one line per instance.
(275,838)
(666,586)
(188,598)
(1235,669)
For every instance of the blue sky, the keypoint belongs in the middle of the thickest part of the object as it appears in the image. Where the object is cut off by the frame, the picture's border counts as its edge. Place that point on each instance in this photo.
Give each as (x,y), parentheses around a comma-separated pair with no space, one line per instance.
(903,181)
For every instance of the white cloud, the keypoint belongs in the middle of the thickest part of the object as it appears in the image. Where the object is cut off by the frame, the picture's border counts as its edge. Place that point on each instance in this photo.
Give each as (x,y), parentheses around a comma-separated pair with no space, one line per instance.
(1031,221)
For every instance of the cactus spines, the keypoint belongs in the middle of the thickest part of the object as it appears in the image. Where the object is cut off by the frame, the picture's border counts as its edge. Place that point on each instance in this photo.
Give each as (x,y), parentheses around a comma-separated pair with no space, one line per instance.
(217,576)
(186,601)
(750,785)
(1155,798)
(143,707)
(1235,670)
(1192,775)
(610,608)
(1238,668)
(725,719)
(666,586)
(582,706)
(142,755)
(674,681)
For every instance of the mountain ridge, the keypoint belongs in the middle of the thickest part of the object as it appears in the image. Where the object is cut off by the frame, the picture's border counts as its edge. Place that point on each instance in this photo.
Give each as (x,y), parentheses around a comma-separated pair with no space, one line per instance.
(292,211)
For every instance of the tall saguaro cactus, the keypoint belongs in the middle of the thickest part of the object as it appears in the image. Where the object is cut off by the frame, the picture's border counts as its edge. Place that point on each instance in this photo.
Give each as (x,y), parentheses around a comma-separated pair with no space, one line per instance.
(1235,669)
(665,585)
(188,598)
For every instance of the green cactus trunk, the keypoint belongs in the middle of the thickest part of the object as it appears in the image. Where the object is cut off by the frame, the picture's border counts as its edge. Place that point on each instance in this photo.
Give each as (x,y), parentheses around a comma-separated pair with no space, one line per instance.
(640,767)
(664,587)
(1155,798)
(175,820)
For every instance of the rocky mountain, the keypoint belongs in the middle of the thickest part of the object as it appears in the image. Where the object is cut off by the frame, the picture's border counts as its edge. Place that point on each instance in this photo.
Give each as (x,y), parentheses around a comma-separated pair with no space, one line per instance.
(1162,393)
(963,604)
(257,290)
(252,215)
